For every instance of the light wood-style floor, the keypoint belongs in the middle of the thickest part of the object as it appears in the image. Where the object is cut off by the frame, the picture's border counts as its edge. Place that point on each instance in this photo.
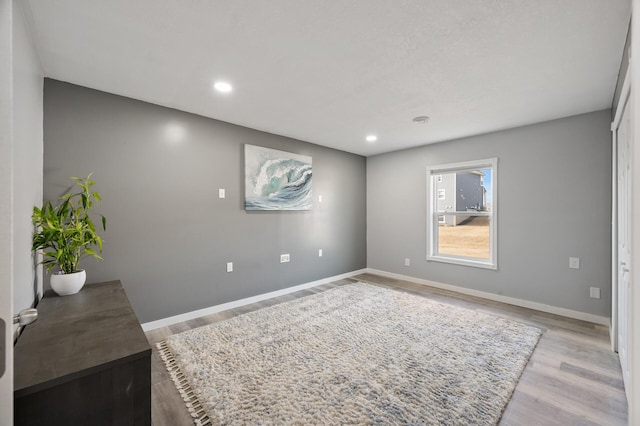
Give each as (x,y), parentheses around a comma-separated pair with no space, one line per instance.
(572,378)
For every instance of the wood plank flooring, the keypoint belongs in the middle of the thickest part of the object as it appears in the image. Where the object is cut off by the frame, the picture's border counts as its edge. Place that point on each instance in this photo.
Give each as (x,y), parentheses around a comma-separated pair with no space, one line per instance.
(572,378)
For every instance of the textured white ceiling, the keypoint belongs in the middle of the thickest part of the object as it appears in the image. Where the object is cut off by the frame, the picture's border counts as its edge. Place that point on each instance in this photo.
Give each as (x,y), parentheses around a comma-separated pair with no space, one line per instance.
(331,72)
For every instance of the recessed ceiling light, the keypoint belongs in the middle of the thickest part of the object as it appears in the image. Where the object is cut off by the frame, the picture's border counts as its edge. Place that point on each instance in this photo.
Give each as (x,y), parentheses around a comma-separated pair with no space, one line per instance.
(423,119)
(371,138)
(222,87)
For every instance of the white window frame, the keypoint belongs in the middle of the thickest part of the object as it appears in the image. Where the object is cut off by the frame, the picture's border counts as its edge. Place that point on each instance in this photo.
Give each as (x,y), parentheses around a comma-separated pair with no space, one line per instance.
(433,214)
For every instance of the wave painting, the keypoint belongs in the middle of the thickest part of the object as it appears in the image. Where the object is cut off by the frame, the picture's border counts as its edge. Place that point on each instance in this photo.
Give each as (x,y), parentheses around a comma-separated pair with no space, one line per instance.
(276,180)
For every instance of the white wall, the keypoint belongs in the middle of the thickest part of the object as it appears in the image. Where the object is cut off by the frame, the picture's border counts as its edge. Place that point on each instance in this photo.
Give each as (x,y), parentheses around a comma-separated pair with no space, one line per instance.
(27,110)
(21,89)
(6,230)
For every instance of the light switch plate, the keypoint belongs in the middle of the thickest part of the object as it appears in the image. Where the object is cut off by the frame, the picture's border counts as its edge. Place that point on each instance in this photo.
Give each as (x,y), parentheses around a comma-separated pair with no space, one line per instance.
(574,262)
(221,193)
(229,266)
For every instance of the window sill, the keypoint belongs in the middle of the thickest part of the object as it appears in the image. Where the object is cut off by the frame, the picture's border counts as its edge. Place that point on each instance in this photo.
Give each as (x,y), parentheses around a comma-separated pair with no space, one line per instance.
(464,262)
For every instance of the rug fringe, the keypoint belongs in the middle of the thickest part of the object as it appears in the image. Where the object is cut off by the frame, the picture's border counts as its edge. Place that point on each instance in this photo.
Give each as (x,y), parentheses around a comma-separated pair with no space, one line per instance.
(200,417)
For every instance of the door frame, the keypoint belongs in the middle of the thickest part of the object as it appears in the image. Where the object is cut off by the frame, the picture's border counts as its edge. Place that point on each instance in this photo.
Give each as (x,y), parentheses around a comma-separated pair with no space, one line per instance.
(625,95)
(634,322)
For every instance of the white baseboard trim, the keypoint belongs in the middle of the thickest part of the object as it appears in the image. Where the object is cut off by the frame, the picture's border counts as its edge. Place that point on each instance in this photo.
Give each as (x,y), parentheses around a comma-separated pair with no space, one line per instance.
(152,325)
(597,319)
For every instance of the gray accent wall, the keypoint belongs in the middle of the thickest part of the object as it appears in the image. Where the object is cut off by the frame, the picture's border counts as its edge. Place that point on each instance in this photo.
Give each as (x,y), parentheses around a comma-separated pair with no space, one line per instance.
(554,195)
(169,236)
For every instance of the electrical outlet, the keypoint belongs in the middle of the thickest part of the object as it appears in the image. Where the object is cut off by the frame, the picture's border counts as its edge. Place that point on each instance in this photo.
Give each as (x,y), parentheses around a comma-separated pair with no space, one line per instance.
(320,253)
(229,266)
(594,292)
(407,262)
(284,258)
(221,193)
(574,262)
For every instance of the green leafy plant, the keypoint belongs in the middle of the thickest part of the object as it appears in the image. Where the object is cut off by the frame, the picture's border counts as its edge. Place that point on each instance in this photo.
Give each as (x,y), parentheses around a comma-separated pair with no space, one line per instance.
(66,233)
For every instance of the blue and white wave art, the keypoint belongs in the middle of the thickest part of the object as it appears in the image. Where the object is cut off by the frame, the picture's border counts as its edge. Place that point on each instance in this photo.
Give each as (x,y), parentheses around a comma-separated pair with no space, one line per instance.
(276,180)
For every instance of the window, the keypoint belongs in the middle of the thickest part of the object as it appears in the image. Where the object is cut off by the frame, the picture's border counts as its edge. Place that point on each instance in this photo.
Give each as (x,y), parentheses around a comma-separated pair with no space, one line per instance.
(462,205)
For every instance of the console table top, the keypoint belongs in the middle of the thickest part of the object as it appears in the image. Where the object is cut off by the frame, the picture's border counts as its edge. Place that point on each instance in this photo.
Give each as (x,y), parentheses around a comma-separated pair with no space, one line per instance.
(77,335)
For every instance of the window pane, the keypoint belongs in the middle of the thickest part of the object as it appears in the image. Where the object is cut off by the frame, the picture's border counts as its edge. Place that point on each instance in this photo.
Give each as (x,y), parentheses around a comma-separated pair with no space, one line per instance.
(464,190)
(464,235)
(462,213)
(488,188)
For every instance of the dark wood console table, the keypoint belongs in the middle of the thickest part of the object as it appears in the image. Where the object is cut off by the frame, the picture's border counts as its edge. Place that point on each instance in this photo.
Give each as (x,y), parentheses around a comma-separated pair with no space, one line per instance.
(86,361)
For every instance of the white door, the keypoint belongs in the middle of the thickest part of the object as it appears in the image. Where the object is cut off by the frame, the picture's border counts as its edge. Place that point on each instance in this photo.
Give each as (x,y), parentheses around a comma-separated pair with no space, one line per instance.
(6,214)
(624,237)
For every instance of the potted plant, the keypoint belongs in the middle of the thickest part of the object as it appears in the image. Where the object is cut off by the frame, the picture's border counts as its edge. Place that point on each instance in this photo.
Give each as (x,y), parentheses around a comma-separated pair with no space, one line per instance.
(66,233)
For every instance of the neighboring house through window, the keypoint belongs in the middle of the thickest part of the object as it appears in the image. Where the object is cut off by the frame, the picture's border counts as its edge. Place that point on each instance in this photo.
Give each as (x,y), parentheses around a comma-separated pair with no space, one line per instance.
(462,203)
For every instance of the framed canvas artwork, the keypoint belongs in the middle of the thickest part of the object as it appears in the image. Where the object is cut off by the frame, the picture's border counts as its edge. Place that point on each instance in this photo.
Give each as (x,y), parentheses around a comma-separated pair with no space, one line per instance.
(276,180)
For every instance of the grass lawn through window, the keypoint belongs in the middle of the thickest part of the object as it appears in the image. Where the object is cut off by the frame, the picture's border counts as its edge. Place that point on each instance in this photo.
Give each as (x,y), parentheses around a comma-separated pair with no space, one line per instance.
(467,239)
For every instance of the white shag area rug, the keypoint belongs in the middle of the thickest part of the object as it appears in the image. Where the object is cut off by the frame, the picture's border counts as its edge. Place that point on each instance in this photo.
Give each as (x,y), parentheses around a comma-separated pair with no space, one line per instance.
(357,354)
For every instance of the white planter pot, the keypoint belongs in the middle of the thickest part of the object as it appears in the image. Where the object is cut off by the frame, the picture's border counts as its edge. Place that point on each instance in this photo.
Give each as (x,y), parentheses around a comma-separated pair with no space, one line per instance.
(66,284)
